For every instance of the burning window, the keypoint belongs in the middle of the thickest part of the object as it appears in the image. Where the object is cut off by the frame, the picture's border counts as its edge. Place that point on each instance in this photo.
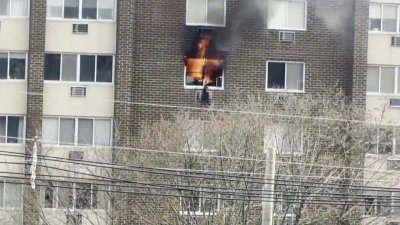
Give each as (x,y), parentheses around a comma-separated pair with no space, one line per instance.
(286,76)
(204,65)
(205,12)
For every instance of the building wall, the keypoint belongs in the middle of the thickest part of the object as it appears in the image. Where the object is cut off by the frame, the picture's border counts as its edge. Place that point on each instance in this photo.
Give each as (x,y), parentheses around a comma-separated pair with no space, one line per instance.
(14,34)
(13,97)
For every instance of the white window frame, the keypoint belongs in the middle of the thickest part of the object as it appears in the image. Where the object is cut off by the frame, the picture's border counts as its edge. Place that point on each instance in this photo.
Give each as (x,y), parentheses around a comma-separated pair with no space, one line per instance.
(80,13)
(285,88)
(287,17)
(19,17)
(8,66)
(199,87)
(377,207)
(396,80)
(78,70)
(394,150)
(23,132)
(205,24)
(200,212)
(5,183)
(76,124)
(381,31)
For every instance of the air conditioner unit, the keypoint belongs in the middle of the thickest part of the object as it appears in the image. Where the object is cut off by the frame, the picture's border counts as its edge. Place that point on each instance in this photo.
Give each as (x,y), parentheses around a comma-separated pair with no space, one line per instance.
(78,91)
(73,218)
(287,36)
(396,41)
(395,102)
(76,155)
(80,28)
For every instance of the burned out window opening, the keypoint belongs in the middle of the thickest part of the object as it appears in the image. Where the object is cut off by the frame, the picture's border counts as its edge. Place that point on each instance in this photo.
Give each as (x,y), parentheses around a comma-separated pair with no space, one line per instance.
(204,65)
(205,13)
(285,76)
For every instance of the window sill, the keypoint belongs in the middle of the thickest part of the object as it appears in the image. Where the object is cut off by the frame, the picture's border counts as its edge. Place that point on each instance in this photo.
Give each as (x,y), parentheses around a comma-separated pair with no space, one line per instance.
(383,94)
(286,29)
(13,144)
(189,87)
(13,80)
(79,20)
(205,25)
(383,32)
(77,147)
(79,83)
(198,213)
(15,17)
(284,91)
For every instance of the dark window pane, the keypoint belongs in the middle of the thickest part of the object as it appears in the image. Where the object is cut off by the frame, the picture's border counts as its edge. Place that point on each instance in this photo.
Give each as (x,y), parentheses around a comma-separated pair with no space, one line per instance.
(52,67)
(17,65)
(3,65)
(65,197)
(89,9)
(71,9)
(94,197)
(104,68)
(276,75)
(49,197)
(15,129)
(87,68)
(2,129)
(83,195)
(4,7)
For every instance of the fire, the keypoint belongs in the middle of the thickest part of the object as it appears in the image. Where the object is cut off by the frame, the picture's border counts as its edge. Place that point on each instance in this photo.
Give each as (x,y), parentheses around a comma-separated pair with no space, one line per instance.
(203,68)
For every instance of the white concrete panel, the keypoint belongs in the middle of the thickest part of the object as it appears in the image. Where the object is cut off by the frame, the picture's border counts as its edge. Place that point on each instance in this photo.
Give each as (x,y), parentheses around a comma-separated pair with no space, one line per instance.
(89,217)
(380,50)
(99,39)
(11,216)
(378,110)
(97,103)
(14,34)
(386,1)
(13,97)
(9,167)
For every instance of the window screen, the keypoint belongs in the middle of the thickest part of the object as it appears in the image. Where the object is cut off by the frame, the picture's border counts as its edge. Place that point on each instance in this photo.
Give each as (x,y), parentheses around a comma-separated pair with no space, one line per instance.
(85,131)
(387,79)
(3,129)
(294,76)
(102,132)
(54,8)
(13,195)
(19,8)
(67,131)
(69,67)
(373,79)
(216,12)
(106,9)
(389,23)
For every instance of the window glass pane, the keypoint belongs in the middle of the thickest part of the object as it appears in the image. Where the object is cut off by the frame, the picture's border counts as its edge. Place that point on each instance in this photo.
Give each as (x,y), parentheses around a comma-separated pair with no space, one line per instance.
(2,129)
(15,129)
(83,196)
(296,14)
(50,130)
(4,7)
(71,8)
(106,9)
(67,131)
(3,65)
(389,18)
(64,196)
(68,67)
(54,8)
(102,132)
(216,12)
(104,68)
(17,65)
(52,67)
(89,9)
(101,198)
(294,76)
(13,195)
(387,79)
(1,193)
(375,12)
(85,131)
(276,75)
(87,67)
(398,82)
(373,79)
(49,197)
(19,7)
(277,14)
(196,11)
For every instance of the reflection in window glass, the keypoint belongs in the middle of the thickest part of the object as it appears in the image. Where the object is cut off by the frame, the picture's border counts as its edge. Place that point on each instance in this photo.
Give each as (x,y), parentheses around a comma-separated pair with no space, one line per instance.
(83,196)
(65,197)
(89,9)
(15,129)
(389,22)
(17,65)
(52,67)
(71,9)
(106,9)
(87,68)
(104,68)
(4,7)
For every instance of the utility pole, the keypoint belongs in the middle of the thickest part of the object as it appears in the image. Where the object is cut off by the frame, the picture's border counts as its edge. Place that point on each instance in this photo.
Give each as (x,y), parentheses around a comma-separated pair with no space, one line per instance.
(269,187)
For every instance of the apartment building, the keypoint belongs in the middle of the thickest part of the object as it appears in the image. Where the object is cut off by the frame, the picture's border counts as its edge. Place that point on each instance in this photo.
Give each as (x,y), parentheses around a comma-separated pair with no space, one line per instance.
(382,108)
(83,76)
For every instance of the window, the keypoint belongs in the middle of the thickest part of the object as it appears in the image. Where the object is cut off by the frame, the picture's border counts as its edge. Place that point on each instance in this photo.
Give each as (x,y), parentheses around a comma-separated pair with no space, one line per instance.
(202,202)
(75,196)
(285,76)
(10,195)
(13,65)
(14,8)
(81,9)
(383,80)
(77,131)
(383,17)
(385,141)
(377,203)
(79,68)
(201,137)
(205,12)
(287,14)
(11,129)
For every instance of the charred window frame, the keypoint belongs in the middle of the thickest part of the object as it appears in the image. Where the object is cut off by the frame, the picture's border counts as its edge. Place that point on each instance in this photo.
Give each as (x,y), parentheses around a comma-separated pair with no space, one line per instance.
(97,69)
(189,82)
(102,10)
(206,13)
(283,76)
(287,14)
(83,132)
(383,80)
(13,65)
(384,18)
